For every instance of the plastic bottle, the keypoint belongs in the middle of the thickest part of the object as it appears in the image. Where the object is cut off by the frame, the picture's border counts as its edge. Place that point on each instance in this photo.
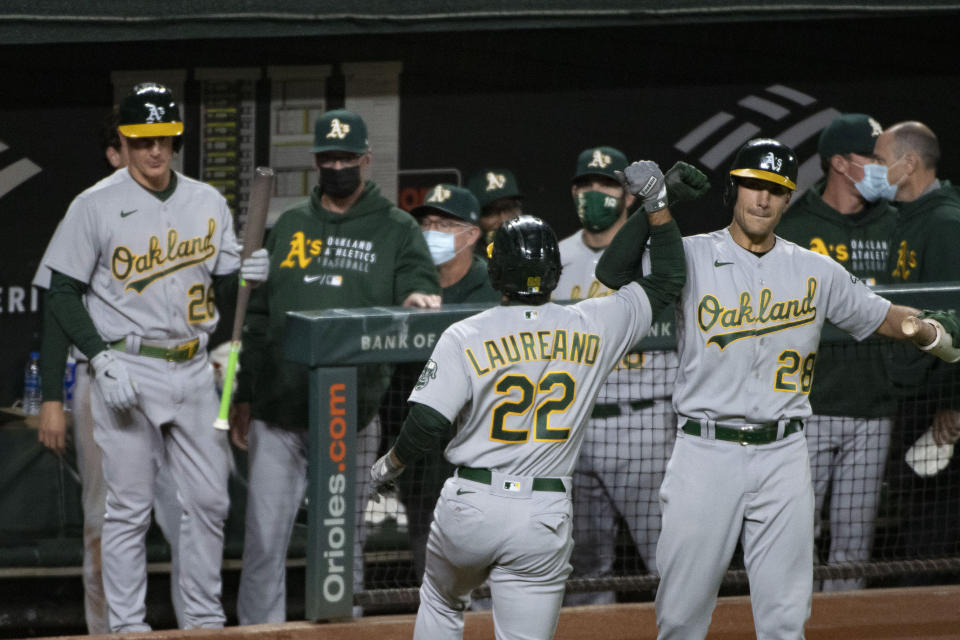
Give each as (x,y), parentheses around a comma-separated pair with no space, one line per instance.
(31,385)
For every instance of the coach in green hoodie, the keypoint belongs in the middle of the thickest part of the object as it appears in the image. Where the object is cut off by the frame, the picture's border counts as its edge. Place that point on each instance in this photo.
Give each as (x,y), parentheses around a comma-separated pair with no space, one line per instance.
(347,246)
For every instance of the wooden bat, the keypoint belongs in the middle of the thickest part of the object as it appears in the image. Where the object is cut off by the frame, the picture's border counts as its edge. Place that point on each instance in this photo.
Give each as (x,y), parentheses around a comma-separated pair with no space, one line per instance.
(920,332)
(252,240)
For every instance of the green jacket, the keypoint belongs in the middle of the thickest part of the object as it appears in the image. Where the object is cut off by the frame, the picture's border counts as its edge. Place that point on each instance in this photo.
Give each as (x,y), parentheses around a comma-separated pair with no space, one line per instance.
(926,238)
(372,255)
(860,242)
(473,287)
(924,248)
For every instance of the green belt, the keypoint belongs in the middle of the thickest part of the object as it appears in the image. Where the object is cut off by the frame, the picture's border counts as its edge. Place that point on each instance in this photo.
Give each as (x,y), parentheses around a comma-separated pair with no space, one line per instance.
(613,410)
(179,353)
(484,476)
(754,434)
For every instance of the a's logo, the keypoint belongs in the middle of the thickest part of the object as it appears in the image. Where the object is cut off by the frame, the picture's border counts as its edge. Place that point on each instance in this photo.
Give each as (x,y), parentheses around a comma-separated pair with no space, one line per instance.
(906,261)
(156,113)
(599,159)
(338,130)
(429,372)
(495,181)
(771,163)
(717,263)
(439,194)
(124,214)
(875,128)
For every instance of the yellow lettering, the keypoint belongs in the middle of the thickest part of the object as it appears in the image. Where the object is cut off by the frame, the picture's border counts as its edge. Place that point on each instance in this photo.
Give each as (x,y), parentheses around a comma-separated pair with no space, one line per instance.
(473,361)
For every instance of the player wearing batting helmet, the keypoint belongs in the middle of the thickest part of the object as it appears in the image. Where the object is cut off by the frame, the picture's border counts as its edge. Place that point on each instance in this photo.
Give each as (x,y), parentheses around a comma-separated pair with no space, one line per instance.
(748,325)
(519,382)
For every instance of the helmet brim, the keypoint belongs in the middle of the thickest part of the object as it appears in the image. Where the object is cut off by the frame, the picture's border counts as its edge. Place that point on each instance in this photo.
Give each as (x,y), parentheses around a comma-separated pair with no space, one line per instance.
(152,129)
(769,176)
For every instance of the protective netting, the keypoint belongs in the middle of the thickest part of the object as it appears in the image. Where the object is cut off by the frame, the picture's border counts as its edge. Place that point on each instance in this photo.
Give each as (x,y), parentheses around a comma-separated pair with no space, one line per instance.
(888,502)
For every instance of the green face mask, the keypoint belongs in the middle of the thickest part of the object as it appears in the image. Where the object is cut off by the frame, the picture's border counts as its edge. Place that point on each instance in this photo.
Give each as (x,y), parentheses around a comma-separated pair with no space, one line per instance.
(597,210)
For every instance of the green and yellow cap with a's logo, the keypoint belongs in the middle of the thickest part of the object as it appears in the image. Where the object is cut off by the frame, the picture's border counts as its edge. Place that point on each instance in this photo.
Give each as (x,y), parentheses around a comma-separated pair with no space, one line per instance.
(451,200)
(600,161)
(492,184)
(340,130)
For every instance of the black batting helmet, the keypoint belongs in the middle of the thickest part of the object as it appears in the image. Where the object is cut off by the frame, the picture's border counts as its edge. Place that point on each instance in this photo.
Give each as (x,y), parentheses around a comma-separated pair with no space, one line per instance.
(149,111)
(524,259)
(763,159)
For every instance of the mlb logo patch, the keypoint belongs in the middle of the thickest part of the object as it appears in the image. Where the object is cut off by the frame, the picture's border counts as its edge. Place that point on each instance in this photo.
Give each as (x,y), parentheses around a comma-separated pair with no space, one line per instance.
(511,485)
(530,315)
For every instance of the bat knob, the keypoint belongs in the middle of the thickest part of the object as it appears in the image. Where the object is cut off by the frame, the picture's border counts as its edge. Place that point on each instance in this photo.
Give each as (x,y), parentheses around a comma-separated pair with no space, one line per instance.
(911,326)
(222,424)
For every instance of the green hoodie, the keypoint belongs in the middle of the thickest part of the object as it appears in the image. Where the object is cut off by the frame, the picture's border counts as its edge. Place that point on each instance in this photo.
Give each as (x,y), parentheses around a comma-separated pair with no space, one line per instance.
(372,255)
(860,242)
(926,238)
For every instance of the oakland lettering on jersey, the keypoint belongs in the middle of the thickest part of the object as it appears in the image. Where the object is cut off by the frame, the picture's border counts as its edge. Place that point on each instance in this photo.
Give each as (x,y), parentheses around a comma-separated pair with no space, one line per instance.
(182,253)
(785,314)
(559,344)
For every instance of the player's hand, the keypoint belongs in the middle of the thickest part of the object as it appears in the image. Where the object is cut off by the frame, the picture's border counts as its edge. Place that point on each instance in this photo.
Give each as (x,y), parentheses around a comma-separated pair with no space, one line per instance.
(946,427)
(256,267)
(948,320)
(119,391)
(645,180)
(422,300)
(53,426)
(383,473)
(240,424)
(685,183)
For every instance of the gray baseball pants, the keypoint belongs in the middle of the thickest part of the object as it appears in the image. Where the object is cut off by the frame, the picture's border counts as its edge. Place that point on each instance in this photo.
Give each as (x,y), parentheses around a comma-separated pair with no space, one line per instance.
(276,484)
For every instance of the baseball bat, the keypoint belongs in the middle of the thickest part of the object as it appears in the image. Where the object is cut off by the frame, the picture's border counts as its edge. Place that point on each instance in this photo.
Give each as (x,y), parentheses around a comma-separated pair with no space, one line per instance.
(252,240)
(920,332)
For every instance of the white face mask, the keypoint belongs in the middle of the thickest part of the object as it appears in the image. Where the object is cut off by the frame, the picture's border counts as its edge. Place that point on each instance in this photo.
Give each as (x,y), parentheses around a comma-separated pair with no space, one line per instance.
(875,184)
(442,245)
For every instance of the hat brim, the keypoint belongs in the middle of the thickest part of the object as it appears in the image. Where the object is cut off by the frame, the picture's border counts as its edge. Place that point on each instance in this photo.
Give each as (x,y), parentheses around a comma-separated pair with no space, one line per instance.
(340,147)
(768,176)
(151,130)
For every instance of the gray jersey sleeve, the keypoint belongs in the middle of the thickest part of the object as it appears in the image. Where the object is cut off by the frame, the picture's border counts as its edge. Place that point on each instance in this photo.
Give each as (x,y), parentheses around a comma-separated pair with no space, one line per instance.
(444,384)
(74,248)
(851,305)
(228,258)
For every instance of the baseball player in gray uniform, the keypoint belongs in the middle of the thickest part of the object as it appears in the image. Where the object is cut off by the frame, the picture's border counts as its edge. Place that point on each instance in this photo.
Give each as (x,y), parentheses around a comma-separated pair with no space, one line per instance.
(629,435)
(52,434)
(748,327)
(134,264)
(520,381)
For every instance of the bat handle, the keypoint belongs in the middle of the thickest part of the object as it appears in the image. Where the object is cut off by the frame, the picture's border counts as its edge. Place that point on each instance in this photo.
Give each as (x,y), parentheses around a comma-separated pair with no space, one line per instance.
(922,333)
(222,422)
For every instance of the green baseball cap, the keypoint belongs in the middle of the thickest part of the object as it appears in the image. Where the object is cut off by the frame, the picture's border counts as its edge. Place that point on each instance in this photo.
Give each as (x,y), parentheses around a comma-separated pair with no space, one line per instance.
(450,199)
(492,184)
(601,161)
(340,130)
(849,133)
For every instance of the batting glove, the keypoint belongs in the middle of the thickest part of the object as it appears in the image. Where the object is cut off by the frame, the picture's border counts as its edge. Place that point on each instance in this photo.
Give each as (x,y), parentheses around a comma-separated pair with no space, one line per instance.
(685,183)
(645,180)
(383,473)
(118,390)
(256,266)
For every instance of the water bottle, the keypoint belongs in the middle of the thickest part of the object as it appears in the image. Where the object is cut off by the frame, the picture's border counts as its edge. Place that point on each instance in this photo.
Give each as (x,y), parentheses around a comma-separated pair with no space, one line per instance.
(69,382)
(31,385)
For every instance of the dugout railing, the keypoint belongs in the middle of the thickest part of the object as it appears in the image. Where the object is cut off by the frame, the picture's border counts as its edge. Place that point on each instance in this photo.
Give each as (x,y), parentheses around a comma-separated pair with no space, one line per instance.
(917,530)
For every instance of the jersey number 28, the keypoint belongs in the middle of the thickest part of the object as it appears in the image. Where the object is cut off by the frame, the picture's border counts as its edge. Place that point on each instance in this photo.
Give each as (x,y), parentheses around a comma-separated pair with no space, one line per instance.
(543,432)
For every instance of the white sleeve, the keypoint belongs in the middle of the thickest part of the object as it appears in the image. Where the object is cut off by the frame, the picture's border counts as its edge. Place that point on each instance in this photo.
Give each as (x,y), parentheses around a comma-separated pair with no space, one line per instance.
(74,248)
(444,384)
(851,305)
(228,258)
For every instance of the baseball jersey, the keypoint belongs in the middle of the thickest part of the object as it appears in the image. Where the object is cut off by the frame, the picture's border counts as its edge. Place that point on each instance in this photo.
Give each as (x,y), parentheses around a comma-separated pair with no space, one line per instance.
(638,375)
(748,327)
(148,262)
(525,378)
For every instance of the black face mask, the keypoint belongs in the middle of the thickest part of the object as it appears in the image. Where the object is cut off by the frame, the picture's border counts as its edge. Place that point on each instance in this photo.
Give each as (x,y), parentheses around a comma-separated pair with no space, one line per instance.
(339,183)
